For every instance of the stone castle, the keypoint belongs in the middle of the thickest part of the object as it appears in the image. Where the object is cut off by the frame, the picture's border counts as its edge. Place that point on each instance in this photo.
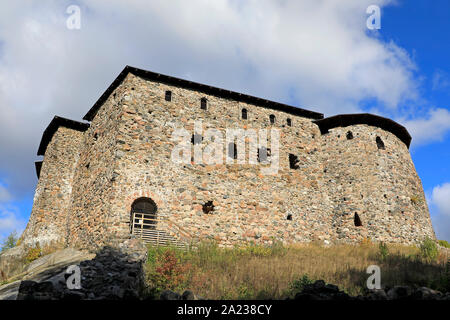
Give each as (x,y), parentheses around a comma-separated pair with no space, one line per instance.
(340,179)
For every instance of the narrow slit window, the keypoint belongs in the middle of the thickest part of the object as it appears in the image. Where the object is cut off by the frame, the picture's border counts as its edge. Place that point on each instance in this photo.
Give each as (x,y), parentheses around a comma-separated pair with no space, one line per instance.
(244,114)
(357,220)
(380,143)
(289,122)
(168,95)
(349,135)
(272,119)
(293,161)
(203,104)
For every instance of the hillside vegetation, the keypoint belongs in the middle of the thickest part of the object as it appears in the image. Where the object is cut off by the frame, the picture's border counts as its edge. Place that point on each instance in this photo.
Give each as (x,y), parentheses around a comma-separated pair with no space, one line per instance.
(277,271)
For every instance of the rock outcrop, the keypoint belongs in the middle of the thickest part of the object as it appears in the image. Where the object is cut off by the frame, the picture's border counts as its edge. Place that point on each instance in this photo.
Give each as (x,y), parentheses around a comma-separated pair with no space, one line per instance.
(321,291)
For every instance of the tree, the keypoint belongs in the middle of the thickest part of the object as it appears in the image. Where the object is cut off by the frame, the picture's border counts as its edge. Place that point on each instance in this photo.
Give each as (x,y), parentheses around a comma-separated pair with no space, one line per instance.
(10,241)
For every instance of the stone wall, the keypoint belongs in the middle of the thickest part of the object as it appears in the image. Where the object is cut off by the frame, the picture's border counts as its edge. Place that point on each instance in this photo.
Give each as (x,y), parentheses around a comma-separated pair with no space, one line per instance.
(380,185)
(54,189)
(248,205)
(126,154)
(93,193)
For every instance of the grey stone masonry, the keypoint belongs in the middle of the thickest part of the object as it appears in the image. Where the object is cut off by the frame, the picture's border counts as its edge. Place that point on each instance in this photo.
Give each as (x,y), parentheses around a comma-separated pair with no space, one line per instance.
(346,184)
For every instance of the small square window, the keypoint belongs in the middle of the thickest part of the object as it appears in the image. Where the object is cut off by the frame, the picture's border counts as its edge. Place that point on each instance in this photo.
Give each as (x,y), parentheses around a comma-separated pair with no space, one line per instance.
(203,104)
(168,95)
(272,119)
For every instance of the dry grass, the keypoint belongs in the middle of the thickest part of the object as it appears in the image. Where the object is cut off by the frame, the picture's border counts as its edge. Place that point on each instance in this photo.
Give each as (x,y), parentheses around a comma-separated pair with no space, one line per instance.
(256,272)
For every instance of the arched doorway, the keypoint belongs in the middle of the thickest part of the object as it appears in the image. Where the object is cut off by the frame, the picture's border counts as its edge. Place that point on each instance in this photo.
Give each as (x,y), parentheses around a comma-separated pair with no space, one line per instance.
(143,215)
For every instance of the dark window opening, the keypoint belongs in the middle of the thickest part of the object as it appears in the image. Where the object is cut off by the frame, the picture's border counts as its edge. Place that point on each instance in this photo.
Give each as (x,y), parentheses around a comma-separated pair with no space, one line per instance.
(289,122)
(272,119)
(263,154)
(208,207)
(88,165)
(244,114)
(380,143)
(293,161)
(143,215)
(357,220)
(203,103)
(168,95)
(95,136)
(289,217)
(196,138)
(232,150)
(349,135)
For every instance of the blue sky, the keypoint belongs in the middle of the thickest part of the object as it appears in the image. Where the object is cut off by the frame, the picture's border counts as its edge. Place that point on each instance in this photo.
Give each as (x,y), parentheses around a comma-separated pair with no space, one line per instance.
(315,54)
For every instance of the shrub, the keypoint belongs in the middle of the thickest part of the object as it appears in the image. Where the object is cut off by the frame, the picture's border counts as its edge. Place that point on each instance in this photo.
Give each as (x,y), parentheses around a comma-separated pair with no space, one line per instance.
(166,270)
(10,241)
(383,251)
(299,284)
(33,253)
(444,243)
(428,250)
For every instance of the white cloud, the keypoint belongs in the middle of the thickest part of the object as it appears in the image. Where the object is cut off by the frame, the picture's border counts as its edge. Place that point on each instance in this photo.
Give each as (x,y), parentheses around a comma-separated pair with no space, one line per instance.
(10,221)
(440,197)
(318,53)
(428,129)
(4,194)
(439,202)
(441,80)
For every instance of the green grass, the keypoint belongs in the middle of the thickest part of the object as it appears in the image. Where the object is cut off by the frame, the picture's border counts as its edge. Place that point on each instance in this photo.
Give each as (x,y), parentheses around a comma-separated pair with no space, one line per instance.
(276,272)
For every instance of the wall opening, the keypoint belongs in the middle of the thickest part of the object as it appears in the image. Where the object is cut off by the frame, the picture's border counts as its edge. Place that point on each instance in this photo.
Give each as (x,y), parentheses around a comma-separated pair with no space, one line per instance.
(244,114)
(289,217)
(380,143)
(357,220)
(143,215)
(349,135)
(293,161)
(203,104)
(208,207)
(289,122)
(168,95)
(232,150)
(272,119)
